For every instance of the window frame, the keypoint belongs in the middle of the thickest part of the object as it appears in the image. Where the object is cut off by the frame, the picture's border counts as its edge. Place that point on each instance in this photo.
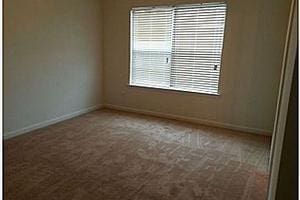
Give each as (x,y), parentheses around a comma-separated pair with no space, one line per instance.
(129,82)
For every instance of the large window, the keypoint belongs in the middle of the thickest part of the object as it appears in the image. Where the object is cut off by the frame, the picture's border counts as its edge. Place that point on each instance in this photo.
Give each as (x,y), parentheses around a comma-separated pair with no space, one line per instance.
(178,47)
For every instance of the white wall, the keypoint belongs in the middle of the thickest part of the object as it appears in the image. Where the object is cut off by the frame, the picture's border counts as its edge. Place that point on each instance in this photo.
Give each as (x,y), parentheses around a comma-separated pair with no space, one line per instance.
(253,50)
(52,60)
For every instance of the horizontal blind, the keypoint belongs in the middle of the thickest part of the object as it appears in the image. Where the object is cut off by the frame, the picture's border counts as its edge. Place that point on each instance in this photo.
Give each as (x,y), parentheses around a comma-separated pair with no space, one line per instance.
(197,47)
(178,47)
(151,47)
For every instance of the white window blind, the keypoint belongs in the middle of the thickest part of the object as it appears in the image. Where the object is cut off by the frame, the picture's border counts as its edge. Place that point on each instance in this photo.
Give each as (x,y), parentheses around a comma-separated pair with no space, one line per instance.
(178,47)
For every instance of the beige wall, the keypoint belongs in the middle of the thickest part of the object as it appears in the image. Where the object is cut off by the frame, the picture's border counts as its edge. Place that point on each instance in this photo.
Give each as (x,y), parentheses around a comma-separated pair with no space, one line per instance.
(253,49)
(52,59)
(53,62)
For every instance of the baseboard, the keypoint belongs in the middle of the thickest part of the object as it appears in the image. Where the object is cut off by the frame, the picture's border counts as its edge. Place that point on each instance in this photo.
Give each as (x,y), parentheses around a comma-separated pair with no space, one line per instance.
(191,119)
(43,124)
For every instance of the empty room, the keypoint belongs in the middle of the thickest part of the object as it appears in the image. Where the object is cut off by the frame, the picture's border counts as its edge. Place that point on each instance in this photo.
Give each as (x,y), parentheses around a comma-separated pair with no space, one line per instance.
(150,99)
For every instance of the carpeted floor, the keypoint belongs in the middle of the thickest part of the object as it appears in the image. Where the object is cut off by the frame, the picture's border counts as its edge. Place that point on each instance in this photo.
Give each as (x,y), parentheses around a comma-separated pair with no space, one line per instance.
(109,155)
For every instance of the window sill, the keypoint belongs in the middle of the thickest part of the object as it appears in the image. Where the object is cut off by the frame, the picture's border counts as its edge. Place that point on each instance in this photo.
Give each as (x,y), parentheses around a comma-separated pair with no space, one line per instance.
(173,90)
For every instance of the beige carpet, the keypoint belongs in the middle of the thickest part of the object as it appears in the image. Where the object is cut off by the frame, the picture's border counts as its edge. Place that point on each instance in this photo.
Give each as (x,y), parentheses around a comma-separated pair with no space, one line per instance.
(108,155)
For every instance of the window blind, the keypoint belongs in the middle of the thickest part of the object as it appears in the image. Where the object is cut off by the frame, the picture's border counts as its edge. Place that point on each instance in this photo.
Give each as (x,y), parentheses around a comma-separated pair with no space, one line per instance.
(151,47)
(178,47)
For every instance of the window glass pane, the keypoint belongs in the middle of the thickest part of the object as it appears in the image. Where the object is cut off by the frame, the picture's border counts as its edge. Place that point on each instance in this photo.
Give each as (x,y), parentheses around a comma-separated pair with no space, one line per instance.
(197,47)
(151,47)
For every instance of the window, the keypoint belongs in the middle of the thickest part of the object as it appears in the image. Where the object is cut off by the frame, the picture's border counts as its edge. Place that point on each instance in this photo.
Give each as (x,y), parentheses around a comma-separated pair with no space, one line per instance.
(178,47)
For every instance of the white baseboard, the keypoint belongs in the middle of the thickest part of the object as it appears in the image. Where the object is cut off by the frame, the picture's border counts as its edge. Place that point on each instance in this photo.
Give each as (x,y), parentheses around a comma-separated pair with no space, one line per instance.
(191,119)
(43,124)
